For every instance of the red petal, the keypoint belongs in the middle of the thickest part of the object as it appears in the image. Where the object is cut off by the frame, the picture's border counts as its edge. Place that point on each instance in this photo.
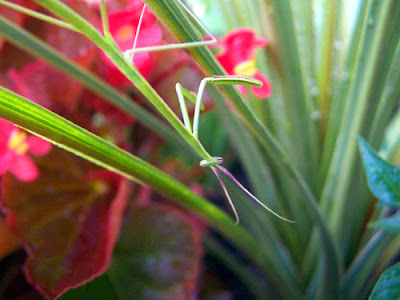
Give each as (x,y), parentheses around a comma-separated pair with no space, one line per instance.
(23,167)
(264,91)
(38,146)
(150,36)
(226,61)
(127,17)
(143,62)
(6,129)
(5,159)
(240,45)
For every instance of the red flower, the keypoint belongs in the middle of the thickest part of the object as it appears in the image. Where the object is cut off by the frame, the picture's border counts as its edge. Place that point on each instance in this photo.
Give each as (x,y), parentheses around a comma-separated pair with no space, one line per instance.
(14,147)
(238,58)
(123,26)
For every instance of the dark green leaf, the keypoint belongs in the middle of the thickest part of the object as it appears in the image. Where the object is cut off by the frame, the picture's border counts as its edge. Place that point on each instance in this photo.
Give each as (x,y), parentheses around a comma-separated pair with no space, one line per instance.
(383,178)
(99,288)
(388,285)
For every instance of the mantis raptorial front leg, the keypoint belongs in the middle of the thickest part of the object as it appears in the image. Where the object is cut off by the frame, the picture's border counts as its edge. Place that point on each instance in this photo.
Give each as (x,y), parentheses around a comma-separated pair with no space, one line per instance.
(212,162)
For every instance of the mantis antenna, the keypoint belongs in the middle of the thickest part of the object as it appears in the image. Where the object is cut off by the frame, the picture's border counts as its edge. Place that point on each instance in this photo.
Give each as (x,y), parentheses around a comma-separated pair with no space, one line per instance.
(213,162)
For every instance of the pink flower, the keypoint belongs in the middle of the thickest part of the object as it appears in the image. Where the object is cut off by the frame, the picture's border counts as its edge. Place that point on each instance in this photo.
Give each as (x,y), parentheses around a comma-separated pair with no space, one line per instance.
(14,148)
(238,57)
(123,26)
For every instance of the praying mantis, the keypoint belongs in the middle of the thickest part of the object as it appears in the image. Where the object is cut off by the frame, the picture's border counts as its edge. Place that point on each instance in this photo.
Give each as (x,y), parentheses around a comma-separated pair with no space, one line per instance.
(214,163)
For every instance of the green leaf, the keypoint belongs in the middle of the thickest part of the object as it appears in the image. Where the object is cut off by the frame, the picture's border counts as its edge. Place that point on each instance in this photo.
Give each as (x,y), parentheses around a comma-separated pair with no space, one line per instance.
(388,285)
(383,178)
(389,224)
(98,288)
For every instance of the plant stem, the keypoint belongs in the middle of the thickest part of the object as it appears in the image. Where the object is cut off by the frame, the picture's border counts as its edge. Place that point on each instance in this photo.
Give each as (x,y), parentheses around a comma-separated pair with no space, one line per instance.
(296,93)
(37,15)
(325,62)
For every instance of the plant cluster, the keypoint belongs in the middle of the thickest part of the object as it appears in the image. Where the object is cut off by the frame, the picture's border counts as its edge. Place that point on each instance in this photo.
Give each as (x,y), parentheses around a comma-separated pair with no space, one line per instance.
(103,194)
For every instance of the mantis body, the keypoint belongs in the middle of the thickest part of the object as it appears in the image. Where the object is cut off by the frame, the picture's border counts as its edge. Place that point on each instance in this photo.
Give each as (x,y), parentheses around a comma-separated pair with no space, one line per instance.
(215,162)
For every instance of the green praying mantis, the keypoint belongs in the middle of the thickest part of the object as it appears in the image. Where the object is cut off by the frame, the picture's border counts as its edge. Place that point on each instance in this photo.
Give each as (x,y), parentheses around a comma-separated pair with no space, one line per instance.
(215,162)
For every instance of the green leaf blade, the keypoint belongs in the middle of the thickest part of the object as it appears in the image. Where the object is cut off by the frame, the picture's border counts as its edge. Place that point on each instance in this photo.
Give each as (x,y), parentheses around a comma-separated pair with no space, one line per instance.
(388,285)
(383,178)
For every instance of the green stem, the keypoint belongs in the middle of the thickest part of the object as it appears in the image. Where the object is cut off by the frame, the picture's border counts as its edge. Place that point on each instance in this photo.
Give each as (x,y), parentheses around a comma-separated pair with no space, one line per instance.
(37,15)
(340,92)
(295,90)
(325,62)
(104,21)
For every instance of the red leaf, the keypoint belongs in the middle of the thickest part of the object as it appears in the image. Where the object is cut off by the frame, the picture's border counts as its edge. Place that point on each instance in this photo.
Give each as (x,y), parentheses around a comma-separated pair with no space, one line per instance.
(8,241)
(67,220)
